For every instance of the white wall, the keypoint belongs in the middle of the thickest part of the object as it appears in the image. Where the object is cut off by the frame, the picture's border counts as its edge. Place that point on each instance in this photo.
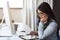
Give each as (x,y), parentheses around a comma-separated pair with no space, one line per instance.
(15,12)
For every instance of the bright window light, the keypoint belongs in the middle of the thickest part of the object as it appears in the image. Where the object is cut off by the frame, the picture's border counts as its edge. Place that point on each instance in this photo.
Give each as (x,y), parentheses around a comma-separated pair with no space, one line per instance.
(13,3)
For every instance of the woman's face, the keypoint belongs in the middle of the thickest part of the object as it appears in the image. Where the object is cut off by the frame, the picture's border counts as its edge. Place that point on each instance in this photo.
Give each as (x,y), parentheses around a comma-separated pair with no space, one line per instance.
(43,16)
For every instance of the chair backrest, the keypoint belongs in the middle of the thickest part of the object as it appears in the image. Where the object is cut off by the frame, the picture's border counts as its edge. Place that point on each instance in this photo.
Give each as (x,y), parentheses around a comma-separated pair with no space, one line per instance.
(6,29)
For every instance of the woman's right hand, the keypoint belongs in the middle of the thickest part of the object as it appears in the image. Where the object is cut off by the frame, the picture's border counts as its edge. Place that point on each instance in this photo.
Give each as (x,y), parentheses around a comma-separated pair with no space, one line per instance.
(43,20)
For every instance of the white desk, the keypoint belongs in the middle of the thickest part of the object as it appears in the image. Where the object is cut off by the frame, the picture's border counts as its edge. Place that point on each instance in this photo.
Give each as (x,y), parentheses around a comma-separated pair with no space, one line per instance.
(28,37)
(27,29)
(21,27)
(13,37)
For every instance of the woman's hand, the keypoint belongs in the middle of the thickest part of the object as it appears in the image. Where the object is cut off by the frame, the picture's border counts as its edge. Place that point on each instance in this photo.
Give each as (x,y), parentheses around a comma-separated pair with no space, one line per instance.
(44,19)
(33,33)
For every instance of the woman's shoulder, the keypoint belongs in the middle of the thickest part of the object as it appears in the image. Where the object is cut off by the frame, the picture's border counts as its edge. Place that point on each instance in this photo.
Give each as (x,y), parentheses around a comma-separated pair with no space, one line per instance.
(53,22)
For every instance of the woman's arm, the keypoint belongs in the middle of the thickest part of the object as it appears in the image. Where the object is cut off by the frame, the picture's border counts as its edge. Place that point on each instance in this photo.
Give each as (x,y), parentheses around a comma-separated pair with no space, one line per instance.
(52,27)
(48,31)
(40,30)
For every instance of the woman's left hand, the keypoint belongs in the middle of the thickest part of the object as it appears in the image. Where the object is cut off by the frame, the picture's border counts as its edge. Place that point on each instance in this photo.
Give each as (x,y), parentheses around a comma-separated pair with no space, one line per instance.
(33,33)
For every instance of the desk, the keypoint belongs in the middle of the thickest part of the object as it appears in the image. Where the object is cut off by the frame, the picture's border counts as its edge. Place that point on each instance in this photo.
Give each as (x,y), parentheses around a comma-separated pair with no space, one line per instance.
(28,37)
(26,30)
(13,37)
(21,27)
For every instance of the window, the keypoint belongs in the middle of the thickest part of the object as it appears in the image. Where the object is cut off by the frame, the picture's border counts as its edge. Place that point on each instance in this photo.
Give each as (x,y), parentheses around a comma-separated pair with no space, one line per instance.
(13,3)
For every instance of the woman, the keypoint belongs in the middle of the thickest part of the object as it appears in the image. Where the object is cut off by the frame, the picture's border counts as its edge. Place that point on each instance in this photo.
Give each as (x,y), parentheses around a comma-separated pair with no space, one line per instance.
(47,29)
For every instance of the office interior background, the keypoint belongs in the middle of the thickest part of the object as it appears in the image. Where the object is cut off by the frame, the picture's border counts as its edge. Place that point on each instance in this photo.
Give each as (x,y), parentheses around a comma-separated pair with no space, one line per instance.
(14,12)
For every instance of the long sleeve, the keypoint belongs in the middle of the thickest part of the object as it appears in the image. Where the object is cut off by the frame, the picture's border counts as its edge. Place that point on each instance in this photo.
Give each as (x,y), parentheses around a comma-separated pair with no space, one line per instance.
(40,30)
(48,31)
